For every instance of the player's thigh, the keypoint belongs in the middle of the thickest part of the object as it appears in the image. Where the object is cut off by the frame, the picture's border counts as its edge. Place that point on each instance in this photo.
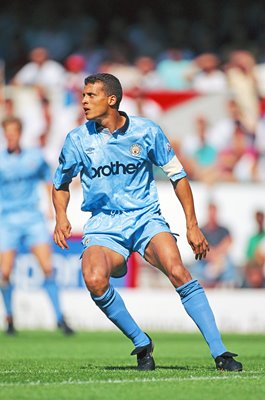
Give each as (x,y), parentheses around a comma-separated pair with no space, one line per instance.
(101,262)
(42,252)
(7,259)
(163,253)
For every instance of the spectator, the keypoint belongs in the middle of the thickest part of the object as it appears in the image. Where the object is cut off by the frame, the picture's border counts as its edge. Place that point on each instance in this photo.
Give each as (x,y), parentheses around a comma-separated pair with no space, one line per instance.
(41,72)
(238,162)
(255,238)
(74,78)
(149,79)
(259,71)
(254,272)
(260,254)
(173,69)
(218,268)
(253,277)
(260,146)
(207,76)
(243,86)
(201,156)
(136,102)
(221,133)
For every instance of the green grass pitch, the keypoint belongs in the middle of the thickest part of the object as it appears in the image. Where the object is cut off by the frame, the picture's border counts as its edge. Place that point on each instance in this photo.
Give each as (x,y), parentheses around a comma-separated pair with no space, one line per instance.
(98,365)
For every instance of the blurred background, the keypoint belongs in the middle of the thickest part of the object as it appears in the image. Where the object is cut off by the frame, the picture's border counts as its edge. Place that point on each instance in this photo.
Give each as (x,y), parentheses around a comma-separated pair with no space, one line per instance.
(198,70)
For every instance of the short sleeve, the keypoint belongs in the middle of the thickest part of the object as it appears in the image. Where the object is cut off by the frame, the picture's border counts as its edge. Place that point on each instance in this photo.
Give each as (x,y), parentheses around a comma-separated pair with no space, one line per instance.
(69,163)
(162,155)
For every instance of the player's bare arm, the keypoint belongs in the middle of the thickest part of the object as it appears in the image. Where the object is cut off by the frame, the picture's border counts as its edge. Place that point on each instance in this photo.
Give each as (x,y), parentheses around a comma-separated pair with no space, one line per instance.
(62,230)
(195,237)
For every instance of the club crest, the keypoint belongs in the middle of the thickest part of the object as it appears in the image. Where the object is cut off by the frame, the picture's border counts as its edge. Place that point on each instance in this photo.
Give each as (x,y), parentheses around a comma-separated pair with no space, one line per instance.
(135,149)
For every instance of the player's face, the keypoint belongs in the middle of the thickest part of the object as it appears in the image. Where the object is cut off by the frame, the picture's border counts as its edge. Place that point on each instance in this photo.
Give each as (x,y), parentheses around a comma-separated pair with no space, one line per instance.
(12,135)
(96,103)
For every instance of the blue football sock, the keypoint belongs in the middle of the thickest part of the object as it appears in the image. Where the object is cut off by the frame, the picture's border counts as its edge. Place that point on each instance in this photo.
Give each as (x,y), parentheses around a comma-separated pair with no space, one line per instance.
(52,290)
(113,306)
(7,291)
(196,305)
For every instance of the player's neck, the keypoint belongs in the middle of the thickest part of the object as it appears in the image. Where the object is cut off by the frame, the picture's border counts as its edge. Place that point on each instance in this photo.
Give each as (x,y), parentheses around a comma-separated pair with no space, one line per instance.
(113,121)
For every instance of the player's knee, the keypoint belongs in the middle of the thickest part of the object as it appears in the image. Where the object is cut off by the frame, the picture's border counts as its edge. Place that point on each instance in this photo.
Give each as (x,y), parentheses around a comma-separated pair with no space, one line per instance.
(95,283)
(4,278)
(5,274)
(48,272)
(178,274)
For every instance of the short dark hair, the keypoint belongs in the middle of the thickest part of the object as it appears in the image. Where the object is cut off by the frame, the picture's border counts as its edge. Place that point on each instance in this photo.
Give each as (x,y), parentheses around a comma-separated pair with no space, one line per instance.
(112,85)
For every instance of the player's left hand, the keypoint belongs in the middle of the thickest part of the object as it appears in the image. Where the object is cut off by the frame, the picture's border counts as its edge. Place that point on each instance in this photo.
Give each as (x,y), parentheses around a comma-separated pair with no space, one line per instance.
(198,242)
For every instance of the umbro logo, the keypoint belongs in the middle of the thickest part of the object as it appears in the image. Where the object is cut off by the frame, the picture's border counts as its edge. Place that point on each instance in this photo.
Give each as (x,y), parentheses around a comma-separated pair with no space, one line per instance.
(90,150)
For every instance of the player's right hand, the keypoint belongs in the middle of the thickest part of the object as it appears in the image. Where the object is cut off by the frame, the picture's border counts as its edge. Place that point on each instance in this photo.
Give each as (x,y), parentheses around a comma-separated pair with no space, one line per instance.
(62,232)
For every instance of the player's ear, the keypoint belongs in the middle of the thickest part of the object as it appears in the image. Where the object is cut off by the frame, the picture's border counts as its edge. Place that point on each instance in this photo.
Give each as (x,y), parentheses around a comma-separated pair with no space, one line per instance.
(112,100)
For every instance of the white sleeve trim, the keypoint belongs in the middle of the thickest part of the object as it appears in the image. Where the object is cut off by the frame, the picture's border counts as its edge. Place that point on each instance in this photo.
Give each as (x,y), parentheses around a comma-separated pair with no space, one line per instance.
(173,167)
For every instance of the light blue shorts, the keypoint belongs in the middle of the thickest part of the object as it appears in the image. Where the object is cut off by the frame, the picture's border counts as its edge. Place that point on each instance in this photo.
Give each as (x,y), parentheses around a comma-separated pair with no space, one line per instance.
(26,227)
(123,232)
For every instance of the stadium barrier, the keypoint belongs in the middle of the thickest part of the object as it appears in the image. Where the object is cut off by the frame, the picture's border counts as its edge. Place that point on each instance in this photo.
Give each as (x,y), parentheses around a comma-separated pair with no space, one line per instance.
(239,310)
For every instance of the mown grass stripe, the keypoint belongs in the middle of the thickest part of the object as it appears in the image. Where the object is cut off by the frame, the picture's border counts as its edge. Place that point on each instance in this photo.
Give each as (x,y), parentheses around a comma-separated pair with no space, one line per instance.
(136,380)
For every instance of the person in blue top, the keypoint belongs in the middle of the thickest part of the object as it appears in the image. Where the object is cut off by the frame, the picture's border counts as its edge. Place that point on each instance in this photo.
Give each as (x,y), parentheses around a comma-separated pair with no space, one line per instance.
(21,172)
(114,154)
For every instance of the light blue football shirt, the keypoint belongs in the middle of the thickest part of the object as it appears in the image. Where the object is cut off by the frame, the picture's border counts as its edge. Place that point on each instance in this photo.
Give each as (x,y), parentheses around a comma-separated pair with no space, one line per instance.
(20,176)
(116,170)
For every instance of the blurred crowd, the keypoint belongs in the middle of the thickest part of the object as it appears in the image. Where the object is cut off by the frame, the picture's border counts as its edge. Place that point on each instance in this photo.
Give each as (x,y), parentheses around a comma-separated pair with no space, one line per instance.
(177,46)
(43,65)
(219,269)
(232,149)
